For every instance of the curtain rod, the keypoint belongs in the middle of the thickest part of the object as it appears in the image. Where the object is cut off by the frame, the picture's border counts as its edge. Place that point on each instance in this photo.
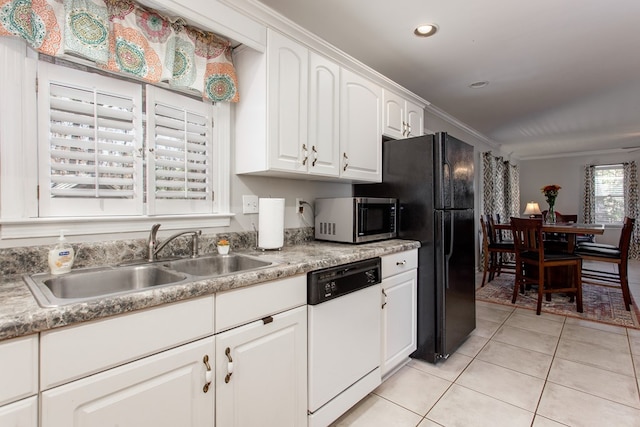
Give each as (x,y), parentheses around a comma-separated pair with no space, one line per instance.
(612,164)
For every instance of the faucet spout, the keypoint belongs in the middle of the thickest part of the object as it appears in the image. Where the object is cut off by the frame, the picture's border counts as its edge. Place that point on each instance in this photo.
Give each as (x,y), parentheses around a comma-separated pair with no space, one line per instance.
(152,242)
(194,243)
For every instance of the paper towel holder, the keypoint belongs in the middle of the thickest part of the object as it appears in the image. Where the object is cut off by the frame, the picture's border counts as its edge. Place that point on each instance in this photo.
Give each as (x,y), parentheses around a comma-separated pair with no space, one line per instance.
(256,247)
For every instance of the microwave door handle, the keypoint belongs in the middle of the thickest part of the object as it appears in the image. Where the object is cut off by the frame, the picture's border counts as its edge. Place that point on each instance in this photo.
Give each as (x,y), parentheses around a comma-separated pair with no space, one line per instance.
(363,220)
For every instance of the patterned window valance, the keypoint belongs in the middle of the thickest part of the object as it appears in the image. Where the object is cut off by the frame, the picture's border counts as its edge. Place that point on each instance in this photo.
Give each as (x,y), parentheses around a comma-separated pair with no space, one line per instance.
(122,36)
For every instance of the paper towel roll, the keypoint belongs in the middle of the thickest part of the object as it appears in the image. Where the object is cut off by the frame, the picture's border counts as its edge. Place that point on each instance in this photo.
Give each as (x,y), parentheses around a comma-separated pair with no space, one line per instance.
(270,223)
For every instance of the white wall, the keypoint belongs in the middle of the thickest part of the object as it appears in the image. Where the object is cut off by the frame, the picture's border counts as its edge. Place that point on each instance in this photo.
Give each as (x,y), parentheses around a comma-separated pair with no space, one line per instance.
(289,189)
(567,172)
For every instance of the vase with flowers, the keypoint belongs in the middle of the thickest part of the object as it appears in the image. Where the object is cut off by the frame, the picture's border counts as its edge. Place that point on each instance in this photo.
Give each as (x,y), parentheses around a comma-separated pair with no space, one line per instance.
(223,246)
(550,193)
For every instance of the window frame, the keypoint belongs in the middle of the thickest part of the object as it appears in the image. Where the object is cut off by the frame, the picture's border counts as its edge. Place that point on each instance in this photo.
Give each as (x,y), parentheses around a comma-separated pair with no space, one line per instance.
(19,221)
(598,219)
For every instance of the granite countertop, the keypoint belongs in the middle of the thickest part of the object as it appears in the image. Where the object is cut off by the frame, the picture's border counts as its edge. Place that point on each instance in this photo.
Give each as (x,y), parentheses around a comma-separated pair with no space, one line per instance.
(21,315)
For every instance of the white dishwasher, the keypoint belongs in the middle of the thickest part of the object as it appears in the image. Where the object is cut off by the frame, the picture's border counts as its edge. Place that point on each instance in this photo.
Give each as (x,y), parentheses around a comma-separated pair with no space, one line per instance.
(344,337)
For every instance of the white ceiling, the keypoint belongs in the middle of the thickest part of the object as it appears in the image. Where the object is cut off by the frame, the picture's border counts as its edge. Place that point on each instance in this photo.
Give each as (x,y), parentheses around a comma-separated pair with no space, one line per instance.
(564,75)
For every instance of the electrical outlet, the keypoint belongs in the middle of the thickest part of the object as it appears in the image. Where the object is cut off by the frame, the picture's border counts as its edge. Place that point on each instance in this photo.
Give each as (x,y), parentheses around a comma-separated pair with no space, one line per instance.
(299,206)
(249,204)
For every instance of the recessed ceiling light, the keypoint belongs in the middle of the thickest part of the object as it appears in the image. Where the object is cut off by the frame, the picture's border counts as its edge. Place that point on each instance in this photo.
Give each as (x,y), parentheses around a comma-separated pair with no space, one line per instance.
(425,30)
(478,85)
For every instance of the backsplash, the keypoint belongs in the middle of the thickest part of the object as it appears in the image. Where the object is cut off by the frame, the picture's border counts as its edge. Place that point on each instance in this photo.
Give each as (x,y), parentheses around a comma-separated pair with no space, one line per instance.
(29,260)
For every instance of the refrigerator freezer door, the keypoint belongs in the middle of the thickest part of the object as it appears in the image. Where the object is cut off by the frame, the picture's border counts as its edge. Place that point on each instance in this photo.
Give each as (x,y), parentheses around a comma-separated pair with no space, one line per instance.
(453,173)
(455,278)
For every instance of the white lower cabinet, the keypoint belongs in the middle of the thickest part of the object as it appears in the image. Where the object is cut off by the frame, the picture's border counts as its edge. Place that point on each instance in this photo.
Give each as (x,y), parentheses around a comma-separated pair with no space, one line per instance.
(399,309)
(164,390)
(19,382)
(23,413)
(261,372)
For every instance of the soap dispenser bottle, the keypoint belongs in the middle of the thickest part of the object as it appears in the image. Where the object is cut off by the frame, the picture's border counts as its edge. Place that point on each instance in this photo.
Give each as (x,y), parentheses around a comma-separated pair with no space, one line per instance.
(61,256)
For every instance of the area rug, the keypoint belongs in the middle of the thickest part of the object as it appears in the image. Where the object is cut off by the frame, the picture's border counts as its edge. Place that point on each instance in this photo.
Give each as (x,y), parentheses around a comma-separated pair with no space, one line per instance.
(600,303)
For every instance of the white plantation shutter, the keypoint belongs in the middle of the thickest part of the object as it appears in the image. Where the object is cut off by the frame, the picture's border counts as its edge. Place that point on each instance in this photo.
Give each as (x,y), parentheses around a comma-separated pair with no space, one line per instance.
(181,154)
(90,128)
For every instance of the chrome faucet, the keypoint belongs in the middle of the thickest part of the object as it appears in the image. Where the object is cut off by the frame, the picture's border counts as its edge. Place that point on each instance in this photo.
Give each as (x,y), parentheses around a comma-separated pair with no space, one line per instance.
(152,243)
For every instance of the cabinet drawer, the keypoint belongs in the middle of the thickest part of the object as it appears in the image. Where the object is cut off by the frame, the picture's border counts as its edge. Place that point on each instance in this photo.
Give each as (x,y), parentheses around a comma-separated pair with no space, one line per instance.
(399,263)
(19,368)
(240,306)
(76,351)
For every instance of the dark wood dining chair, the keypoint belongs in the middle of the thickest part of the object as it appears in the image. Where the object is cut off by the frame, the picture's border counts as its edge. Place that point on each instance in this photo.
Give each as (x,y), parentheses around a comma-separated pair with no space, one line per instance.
(533,263)
(493,249)
(617,255)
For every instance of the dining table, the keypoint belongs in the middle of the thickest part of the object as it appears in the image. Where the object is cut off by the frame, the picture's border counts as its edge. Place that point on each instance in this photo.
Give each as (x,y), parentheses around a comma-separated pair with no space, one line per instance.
(570,229)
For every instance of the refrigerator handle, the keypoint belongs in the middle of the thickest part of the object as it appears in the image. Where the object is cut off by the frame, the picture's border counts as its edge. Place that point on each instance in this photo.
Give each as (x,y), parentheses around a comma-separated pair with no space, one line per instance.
(448,244)
(447,185)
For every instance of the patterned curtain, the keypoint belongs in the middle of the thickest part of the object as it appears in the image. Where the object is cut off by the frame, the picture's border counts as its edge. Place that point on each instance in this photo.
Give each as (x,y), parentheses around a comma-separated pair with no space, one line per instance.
(631,205)
(122,36)
(589,205)
(501,187)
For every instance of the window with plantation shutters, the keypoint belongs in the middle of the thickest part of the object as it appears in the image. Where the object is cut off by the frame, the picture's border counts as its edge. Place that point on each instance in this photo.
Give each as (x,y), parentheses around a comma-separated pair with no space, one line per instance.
(96,152)
(609,194)
(181,153)
(90,157)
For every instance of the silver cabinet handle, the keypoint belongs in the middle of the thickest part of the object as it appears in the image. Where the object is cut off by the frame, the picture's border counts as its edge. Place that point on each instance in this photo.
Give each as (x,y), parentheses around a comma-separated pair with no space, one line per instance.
(306,154)
(227,353)
(346,161)
(385,298)
(315,155)
(208,374)
(403,262)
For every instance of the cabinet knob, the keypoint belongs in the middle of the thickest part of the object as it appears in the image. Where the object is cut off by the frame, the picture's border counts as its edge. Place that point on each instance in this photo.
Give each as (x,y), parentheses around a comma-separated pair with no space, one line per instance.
(208,374)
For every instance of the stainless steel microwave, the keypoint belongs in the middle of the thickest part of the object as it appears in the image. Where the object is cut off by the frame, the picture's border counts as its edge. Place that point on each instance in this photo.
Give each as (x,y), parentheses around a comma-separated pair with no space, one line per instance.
(355,219)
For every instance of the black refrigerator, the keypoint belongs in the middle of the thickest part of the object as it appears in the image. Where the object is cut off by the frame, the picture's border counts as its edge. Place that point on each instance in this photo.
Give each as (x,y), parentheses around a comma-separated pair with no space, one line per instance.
(432,176)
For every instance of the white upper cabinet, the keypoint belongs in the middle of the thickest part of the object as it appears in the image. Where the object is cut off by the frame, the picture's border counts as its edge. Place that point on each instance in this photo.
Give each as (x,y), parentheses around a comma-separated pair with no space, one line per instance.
(287,80)
(324,116)
(401,118)
(300,113)
(360,130)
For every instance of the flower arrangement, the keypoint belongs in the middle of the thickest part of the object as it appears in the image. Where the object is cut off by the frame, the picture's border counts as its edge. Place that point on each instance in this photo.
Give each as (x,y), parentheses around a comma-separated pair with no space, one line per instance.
(550,193)
(223,242)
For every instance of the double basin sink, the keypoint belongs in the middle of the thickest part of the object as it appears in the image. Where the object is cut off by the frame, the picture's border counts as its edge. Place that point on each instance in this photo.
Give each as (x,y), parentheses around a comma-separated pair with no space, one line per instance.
(93,283)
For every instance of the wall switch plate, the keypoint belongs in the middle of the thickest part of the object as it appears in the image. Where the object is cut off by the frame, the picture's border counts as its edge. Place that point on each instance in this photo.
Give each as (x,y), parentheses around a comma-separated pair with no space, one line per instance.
(299,207)
(249,204)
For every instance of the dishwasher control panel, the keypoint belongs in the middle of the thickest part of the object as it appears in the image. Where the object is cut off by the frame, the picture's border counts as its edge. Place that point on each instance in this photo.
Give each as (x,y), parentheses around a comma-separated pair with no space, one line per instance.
(332,282)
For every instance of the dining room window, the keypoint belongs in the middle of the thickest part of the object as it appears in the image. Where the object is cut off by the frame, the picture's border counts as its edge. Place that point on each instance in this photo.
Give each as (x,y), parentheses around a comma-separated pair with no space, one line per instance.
(609,194)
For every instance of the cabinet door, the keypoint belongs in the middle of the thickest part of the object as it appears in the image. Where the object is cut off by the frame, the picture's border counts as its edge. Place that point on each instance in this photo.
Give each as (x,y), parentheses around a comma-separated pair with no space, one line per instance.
(19,368)
(360,129)
(287,77)
(415,120)
(324,116)
(398,319)
(261,372)
(164,390)
(23,413)
(393,122)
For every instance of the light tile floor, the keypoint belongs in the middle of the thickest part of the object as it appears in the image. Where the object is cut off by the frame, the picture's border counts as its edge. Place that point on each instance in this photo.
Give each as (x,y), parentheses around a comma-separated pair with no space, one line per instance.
(518,369)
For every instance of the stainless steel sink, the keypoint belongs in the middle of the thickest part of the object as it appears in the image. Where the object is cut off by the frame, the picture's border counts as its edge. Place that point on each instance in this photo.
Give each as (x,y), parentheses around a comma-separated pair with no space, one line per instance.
(88,284)
(217,265)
